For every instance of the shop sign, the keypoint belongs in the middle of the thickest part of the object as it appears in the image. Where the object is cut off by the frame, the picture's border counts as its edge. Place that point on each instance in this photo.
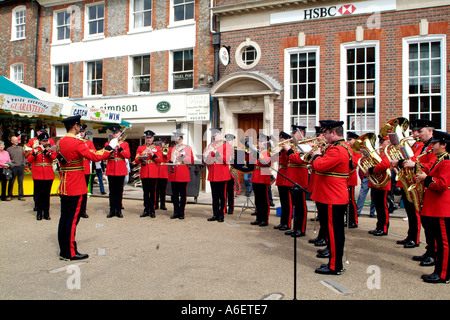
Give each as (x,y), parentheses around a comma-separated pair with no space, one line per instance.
(30,106)
(363,7)
(163,106)
(96,114)
(198,107)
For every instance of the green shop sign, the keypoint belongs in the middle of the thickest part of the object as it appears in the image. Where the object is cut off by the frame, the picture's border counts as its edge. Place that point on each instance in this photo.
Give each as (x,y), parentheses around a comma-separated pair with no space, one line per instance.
(163,106)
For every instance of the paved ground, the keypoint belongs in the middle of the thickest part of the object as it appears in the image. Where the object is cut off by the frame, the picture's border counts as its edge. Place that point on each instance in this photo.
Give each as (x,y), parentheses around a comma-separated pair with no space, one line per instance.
(193,259)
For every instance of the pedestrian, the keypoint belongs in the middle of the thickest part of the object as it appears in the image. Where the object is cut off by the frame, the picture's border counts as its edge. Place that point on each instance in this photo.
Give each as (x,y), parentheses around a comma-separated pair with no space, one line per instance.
(72,188)
(19,162)
(217,158)
(5,165)
(41,160)
(99,169)
(179,157)
(116,170)
(149,156)
(435,206)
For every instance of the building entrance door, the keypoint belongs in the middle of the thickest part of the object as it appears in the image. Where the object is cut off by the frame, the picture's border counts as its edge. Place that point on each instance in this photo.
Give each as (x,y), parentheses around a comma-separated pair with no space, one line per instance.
(249,125)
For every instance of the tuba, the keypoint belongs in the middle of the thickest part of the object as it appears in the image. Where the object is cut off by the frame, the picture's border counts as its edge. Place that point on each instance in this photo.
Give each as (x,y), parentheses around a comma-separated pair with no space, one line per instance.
(365,144)
(400,149)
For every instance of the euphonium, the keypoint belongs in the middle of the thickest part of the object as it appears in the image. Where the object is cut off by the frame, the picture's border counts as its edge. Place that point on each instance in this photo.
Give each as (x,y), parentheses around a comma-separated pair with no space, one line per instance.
(401,151)
(370,158)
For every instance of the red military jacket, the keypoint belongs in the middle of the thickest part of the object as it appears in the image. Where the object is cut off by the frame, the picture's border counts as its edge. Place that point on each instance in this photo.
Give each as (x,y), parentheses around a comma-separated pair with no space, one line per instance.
(382,166)
(262,171)
(163,168)
(74,151)
(218,161)
(117,165)
(426,157)
(150,165)
(86,162)
(332,174)
(42,164)
(180,156)
(437,193)
(297,169)
(282,169)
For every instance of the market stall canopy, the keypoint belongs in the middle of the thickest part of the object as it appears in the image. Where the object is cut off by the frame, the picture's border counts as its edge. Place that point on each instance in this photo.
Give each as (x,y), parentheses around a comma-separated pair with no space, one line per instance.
(25,101)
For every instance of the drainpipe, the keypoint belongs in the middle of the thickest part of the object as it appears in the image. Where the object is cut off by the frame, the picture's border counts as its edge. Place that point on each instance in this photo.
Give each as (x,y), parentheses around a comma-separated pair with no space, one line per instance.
(216,44)
(37,41)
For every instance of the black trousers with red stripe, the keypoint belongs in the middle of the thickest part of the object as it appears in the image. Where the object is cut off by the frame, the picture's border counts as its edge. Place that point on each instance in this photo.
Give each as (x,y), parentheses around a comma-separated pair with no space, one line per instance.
(149,191)
(219,197)
(413,219)
(42,190)
(352,209)
(230,195)
(439,229)
(161,187)
(287,208)
(115,184)
(71,207)
(333,225)
(261,191)
(381,207)
(179,194)
(301,210)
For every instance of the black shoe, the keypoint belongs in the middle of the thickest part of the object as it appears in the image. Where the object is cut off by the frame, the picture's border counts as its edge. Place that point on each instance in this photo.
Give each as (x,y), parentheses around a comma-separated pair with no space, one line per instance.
(78,256)
(220,219)
(119,214)
(298,233)
(39,216)
(175,216)
(110,214)
(313,240)
(181,217)
(320,243)
(326,270)
(152,214)
(272,204)
(352,225)
(254,223)
(263,224)
(379,233)
(284,227)
(428,262)
(103,192)
(434,278)
(84,215)
(278,226)
(404,241)
(323,254)
(213,218)
(410,244)
(290,232)
(230,211)
(163,208)
(421,258)
(144,214)
(47,216)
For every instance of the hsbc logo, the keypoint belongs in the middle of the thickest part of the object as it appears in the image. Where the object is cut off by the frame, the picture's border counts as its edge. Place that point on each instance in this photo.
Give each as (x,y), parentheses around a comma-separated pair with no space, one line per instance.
(347,9)
(326,12)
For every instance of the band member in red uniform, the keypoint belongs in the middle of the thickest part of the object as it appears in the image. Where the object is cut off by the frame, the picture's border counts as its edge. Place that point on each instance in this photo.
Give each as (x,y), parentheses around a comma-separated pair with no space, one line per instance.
(179,156)
(435,206)
(149,156)
(116,170)
(72,188)
(380,193)
(86,163)
(230,183)
(163,176)
(261,178)
(331,191)
(284,187)
(352,183)
(425,160)
(217,157)
(298,172)
(41,160)
(413,235)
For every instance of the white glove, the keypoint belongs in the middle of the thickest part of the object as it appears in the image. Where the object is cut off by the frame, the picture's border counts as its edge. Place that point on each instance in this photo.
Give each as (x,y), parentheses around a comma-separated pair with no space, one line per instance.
(114,143)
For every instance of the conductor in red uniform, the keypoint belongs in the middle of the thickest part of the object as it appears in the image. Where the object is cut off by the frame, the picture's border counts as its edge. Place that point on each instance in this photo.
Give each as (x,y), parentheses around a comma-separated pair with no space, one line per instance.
(435,206)
(217,157)
(72,188)
(179,156)
(41,160)
(331,191)
(149,156)
(116,170)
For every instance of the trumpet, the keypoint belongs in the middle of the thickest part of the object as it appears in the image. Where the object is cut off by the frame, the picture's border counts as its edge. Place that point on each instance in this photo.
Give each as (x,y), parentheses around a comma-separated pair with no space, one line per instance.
(319,145)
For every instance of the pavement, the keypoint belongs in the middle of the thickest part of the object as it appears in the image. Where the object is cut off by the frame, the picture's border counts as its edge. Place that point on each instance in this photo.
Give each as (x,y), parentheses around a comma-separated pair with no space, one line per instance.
(193,259)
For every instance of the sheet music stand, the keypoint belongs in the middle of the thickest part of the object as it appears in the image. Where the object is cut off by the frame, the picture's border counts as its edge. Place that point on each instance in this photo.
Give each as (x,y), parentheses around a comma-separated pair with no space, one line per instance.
(246,206)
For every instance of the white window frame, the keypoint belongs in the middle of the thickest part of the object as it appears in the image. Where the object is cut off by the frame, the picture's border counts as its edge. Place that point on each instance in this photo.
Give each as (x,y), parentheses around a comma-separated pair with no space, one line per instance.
(287,83)
(132,28)
(343,81)
(173,23)
(55,25)
(130,68)
(405,73)
(86,79)
(171,60)
(16,74)
(240,49)
(14,24)
(88,36)
(53,80)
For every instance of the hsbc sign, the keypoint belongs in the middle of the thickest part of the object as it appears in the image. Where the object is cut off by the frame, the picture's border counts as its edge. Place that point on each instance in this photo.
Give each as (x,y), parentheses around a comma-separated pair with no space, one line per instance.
(360,7)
